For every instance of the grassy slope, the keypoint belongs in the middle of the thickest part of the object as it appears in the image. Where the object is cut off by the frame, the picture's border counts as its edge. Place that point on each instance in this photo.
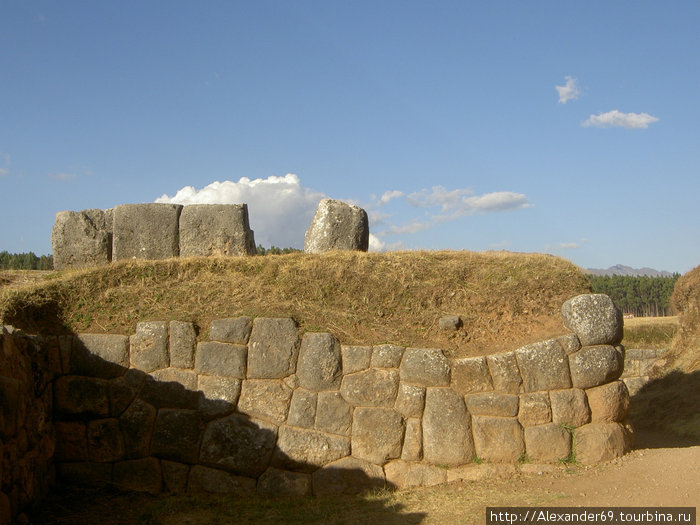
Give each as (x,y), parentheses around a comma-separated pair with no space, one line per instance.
(505,299)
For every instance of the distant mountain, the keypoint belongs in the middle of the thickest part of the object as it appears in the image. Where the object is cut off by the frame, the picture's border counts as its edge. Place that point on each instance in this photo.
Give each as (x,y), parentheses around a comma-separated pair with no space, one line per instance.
(621,269)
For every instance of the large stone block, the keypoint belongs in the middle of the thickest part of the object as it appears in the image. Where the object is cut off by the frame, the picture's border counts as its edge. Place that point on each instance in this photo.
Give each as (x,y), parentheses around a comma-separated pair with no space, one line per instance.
(214,481)
(498,439)
(404,474)
(505,374)
(277,482)
(140,475)
(306,450)
(598,442)
(355,358)
(425,367)
(608,403)
(82,238)
(333,414)
(337,226)
(183,339)
(174,476)
(215,229)
(221,359)
(535,409)
(273,348)
(413,440)
(77,396)
(569,407)
(377,434)
(186,378)
(492,404)
(471,374)
(543,366)
(447,438)
(146,231)
(594,318)
(149,346)
(266,399)
(136,424)
(71,441)
(347,476)
(594,365)
(374,387)
(176,435)
(387,356)
(410,400)
(302,409)
(220,395)
(233,330)
(548,443)
(84,473)
(105,441)
(99,355)
(320,363)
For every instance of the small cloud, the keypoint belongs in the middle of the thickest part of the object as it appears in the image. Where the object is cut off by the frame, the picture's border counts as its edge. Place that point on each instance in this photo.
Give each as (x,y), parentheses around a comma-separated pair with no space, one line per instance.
(376,244)
(62,176)
(618,119)
(497,201)
(568,91)
(390,195)
(569,245)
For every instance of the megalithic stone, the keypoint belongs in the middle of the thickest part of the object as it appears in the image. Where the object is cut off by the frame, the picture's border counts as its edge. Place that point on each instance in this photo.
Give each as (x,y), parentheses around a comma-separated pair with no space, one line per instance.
(337,226)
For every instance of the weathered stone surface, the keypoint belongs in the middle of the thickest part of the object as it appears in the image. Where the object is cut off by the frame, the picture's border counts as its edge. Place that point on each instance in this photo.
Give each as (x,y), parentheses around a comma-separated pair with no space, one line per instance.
(183,338)
(447,438)
(149,346)
(569,407)
(337,226)
(231,330)
(273,348)
(594,318)
(78,396)
(84,474)
(402,474)
(215,229)
(124,389)
(302,409)
(598,442)
(570,343)
(377,434)
(410,400)
(425,367)
(82,238)
(220,395)
(174,476)
(413,440)
(355,358)
(168,394)
(635,384)
(595,365)
(306,450)
(221,359)
(505,374)
(176,435)
(374,387)
(386,356)
(535,409)
(99,355)
(186,378)
(333,414)
(543,366)
(238,444)
(547,443)
(450,323)
(492,404)
(140,475)
(146,231)
(608,403)
(266,399)
(471,374)
(320,363)
(214,481)
(71,441)
(276,482)
(498,439)
(105,442)
(347,476)
(136,424)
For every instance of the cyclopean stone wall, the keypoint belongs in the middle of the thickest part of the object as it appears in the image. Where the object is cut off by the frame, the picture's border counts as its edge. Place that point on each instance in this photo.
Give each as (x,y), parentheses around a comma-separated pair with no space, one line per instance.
(258,405)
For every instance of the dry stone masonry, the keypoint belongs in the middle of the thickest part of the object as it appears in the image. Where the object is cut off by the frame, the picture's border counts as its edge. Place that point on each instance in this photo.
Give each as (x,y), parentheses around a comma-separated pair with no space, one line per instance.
(260,406)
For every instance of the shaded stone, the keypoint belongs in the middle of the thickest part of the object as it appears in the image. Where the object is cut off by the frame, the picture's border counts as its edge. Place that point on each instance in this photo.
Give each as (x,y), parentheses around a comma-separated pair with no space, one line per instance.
(276,482)
(450,323)
(105,442)
(306,450)
(10,407)
(146,231)
(347,476)
(174,476)
(595,365)
(221,359)
(183,339)
(136,424)
(220,395)
(333,414)
(492,404)
(470,375)
(424,366)
(403,474)
(410,400)
(231,330)
(569,407)
(386,356)
(447,438)
(534,409)
(149,346)
(594,318)
(635,384)
(319,366)
(140,475)
(337,226)
(543,366)
(124,389)
(215,229)
(498,439)
(214,481)
(569,343)
(505,374)
(84,474)
(355,358)
(78,396)
(412,441)
(81,238)
(373,387)
(273,348)
(598,442)
(238,444)
(186,378)
(168,394)
(267,399)
(608,403)
(71,441)
(99,355)
(377,434)
(548,443)
(302,409)
(176,435)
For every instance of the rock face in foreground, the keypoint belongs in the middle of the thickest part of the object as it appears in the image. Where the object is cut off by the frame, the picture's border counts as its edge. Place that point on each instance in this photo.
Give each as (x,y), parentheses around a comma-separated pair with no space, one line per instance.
(82,238)
(337,226)
(215,229)
(594,318)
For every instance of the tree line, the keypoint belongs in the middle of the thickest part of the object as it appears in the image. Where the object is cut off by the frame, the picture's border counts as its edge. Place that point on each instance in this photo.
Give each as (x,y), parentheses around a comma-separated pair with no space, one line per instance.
(641,296)
(25,261)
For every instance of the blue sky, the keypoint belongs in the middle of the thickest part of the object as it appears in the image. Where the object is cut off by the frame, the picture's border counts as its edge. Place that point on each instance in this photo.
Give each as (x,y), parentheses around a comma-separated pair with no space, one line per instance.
(569,128)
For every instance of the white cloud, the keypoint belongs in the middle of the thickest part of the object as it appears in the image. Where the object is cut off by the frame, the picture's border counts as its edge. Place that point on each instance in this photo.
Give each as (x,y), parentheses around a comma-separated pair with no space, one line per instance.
(568,91)
(616,118)
(497,201)
(463,202)
(389,195)
(569,245)
(376,244)
(279,208)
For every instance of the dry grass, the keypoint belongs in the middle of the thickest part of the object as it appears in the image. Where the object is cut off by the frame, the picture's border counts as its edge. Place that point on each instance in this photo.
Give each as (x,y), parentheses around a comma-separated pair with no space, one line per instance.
(505,299)
(650,332)
(685,348)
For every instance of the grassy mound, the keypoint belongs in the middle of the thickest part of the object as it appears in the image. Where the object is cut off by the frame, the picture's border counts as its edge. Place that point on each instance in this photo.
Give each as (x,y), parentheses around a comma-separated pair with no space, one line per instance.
(505,299)
(685,349)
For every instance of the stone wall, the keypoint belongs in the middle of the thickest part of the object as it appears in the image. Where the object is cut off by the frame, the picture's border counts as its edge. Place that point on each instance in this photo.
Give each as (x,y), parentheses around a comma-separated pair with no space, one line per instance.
(638,364)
